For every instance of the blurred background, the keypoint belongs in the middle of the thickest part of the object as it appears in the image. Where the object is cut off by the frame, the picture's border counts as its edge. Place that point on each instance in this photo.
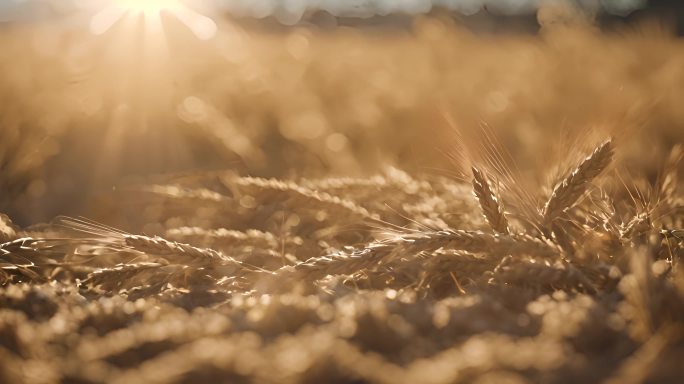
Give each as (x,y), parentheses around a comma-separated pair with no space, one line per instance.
(96,95)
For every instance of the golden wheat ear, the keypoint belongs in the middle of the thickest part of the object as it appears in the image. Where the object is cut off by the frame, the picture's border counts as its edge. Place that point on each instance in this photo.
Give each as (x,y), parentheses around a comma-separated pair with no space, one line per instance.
(491,206)
(566,193)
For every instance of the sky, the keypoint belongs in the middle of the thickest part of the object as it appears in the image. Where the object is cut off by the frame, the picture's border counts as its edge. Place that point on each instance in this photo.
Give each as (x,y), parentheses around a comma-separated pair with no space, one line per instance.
(290,11)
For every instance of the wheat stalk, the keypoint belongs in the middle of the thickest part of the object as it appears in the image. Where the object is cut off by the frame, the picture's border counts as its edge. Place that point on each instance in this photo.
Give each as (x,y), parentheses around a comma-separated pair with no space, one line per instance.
(298,195)
(566,193)
(175,191)
(667,181)
(411,244)
(118,276)
(173,252)
(491,207)
(542,275)
(170,249)
(223,237)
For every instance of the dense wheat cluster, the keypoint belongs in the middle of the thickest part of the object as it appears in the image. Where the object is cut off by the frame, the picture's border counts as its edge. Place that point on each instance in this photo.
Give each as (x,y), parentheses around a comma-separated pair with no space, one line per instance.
(397,213)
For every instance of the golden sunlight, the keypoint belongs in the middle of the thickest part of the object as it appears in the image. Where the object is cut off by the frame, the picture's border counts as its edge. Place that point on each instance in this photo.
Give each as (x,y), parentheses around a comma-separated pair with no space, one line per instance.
(148,7)
(341,191)
(202,27)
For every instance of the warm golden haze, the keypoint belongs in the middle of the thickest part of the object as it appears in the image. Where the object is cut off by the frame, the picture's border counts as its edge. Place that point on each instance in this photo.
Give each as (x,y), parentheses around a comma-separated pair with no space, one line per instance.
(151,12)
(434,199)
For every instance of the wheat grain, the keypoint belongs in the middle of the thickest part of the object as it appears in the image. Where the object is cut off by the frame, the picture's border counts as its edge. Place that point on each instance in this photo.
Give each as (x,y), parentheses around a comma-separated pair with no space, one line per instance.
(411,244)
(491,207)
(571,188)
(189,254)
(223,237)
(300,196)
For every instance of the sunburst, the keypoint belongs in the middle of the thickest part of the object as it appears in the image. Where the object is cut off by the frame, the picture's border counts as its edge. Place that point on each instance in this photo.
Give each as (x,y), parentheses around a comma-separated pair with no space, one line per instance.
(202,27)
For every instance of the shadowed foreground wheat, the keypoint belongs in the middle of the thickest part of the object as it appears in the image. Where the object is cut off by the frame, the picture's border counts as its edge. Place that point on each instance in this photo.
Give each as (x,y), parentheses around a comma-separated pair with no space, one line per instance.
(324,281)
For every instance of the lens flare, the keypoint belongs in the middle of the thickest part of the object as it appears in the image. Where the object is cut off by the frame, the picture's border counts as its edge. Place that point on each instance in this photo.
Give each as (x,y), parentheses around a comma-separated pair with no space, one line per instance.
(148,7)
(202,27)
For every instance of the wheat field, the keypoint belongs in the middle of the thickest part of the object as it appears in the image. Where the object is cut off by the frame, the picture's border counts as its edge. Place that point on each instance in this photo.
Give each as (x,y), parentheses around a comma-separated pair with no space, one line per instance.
(416,203)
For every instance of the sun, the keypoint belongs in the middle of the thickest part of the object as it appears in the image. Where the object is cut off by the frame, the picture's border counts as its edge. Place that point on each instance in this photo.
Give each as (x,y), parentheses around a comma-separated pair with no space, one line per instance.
(203,27)
(148,7)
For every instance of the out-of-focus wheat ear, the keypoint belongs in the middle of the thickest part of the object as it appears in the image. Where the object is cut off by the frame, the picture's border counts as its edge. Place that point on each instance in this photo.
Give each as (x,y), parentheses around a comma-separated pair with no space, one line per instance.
(566,193)
(491,206)
(667,181)
(638,227)
(8,231)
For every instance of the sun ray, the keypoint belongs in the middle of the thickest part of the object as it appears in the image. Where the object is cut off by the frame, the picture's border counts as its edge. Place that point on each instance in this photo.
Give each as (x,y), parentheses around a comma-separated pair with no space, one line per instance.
(201,26)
